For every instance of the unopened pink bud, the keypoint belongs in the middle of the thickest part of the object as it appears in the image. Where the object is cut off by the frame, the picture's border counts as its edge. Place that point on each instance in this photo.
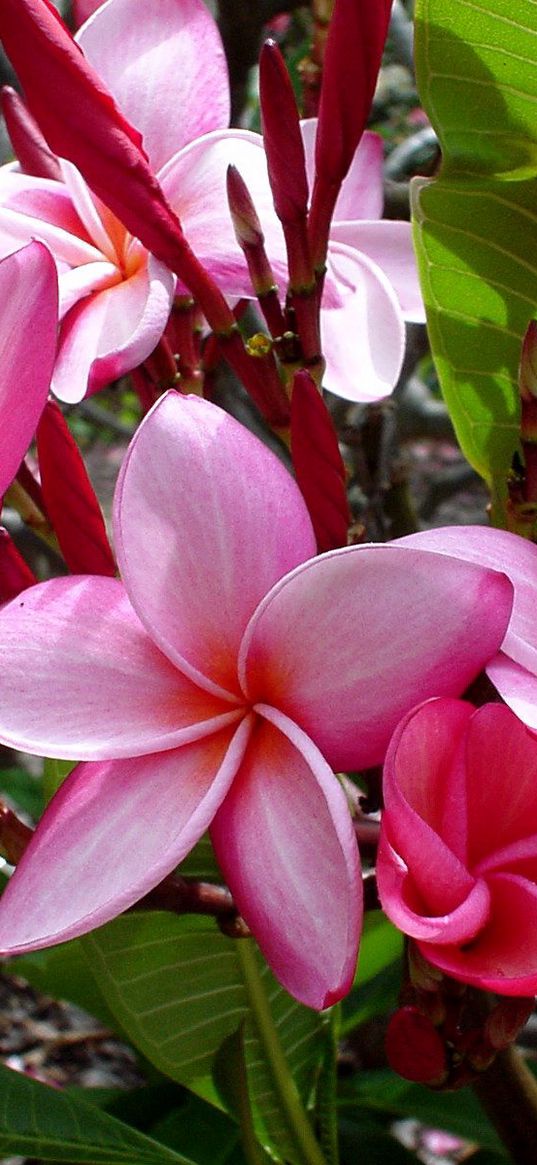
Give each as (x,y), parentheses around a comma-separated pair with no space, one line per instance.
(318,464)
(414,1048)
(527,374)
(281,133)
(243,213)
(15,574)
(26,138)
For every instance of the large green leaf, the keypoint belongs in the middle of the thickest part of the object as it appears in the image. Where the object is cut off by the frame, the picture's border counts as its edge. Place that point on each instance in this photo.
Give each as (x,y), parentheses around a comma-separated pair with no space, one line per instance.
(476,224)
(44,1122)
(179,988)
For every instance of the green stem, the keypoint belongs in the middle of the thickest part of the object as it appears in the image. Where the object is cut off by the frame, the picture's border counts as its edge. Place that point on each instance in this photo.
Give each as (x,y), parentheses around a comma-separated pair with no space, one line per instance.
(327,1091)
(298,1124)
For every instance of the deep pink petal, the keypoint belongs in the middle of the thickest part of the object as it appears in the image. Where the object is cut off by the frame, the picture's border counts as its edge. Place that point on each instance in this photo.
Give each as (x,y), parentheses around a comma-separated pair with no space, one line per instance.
(351,641)
(165,65)
(503,957)
(28,326)
(362,194)
(218,518)
(110,332)
(404,905)
(363,338)
(110,834)
(389,245)
(80,678)
(425,788)
(501,796)
(194,182)
(285,841)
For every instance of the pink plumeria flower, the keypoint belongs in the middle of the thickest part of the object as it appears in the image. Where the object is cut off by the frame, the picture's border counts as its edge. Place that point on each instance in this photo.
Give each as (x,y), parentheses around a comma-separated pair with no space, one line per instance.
(513,670)
(166,70)
(28,327)
(457,862)
(219,684)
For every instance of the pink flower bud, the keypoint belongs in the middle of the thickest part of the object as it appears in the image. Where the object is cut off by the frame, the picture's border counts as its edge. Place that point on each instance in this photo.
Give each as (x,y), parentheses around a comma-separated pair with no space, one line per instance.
(414,1048)
(26,138)
(318,464)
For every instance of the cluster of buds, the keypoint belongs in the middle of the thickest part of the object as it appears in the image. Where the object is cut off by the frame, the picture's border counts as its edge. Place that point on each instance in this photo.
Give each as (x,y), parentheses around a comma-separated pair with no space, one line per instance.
(445,1033)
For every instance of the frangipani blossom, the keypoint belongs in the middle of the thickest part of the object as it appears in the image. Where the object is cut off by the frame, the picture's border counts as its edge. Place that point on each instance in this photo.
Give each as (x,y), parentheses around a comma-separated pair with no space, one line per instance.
(164,66)
(219,684)
(513,670)
(457,861)
(28,327)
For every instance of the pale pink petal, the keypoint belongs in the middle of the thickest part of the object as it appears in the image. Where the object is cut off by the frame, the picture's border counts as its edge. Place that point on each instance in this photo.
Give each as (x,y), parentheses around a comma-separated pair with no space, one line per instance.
(110,834)
(517,686)
(285,842)
(501,797)
(83,281)
(405,907)
(194,182)
(362,194)
(503,957)
(500,550)
(218,518)
(28,326)
(348,643)
(39,208)
(363,338)
(165,65)
(389,245)
(81,679)
(86,205)
(109,333)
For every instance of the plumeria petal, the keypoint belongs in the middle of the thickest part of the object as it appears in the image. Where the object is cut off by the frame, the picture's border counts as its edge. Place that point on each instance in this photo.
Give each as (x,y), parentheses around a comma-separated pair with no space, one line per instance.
(41,208)
(198,496)
(407,910)
(167,73)
(503,957)
(194,182)
(514,670)
(296,881)
(389,245)
(102,858)
(361,195)
(84,281)
(363,337)
(29,297)
(346,670)
(112,331)
(81,679)
(501,799)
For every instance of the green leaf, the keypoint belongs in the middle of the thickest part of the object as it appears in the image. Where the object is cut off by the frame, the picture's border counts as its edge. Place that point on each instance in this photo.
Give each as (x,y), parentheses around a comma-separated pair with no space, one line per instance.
(24,790)
(44,1122)
(476,224)
(179,988)
(384,1092)
(54,774)
(63,973)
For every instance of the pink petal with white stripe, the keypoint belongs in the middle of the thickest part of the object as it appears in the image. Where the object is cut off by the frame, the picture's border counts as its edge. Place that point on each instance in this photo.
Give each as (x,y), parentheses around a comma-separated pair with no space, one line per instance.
(81,679)
(165,65)
(110,332)
(363,338)
(111,833)
(219,518)
(347,643)
(390,246)
(296,880)
(41,208)
(28,327)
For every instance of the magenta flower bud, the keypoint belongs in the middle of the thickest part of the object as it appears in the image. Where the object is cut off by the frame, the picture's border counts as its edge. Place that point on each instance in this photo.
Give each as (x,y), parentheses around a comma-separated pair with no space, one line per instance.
(414,1047)
(527,373)
(26,138)
(70,499)
(318,464)
(352,59)
(243,213)
(281,133)
(15,574)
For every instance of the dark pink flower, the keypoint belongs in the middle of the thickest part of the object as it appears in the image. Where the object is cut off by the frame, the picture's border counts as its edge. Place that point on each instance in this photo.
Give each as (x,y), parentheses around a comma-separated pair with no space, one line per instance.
(457,862)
